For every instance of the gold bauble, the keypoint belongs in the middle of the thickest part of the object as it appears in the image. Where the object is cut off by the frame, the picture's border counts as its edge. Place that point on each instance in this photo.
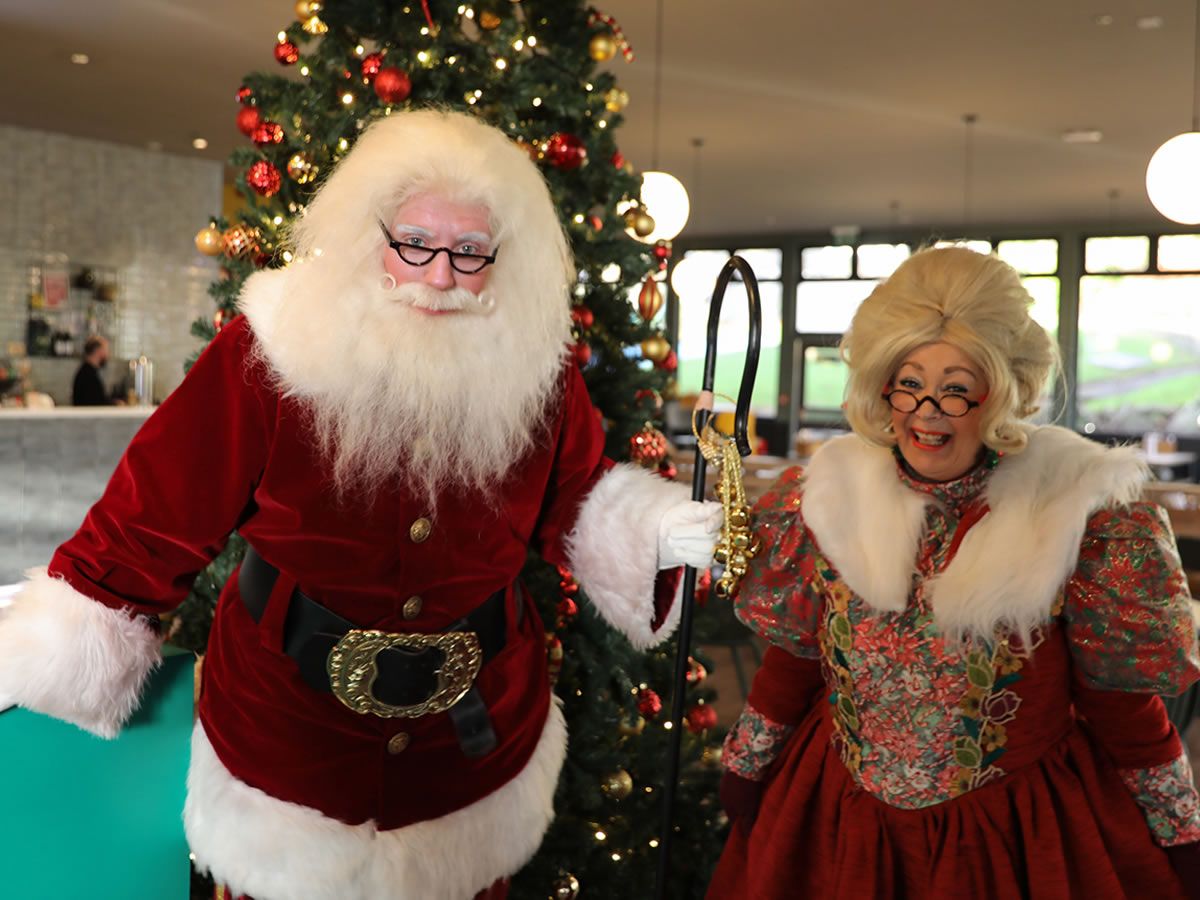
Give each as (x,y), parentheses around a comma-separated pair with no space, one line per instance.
(616,100)
(640,221)
(739,518)
(602,47)
(711,756)
(720,556)
(565,888)
(488,20)
(655,348)
(650,299)
(314,25)
(631,728)
(301,168)
(240,241)
(208,240)
(617,785)
(306,9)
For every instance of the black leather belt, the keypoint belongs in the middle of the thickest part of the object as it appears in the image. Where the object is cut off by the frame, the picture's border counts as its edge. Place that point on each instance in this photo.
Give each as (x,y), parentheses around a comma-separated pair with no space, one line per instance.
(388,674)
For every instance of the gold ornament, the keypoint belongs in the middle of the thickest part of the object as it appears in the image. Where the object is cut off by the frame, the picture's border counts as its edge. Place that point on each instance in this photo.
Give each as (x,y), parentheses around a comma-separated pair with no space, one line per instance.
(565,888)
(208,240)
(631,728)
(711,756)
(640,221)
(655,348)
(602,47)
(306,9)
(301,168)
(616,99)
(737,544)
(650,299)
(488,20)
(314,25)
(240,241)
(617,785)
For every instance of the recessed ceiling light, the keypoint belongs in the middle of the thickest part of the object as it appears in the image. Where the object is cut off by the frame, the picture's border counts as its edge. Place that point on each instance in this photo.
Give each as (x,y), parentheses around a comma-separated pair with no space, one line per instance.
(1103,20)
(199,143)
(1149,23)
(1083,136)
(80,59)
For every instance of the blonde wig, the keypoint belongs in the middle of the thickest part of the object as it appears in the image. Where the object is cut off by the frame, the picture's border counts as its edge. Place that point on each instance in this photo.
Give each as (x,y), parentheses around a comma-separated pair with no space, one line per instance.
(973,301)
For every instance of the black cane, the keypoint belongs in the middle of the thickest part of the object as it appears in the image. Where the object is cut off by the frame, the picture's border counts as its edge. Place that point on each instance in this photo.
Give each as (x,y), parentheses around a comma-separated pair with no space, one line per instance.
(741,437)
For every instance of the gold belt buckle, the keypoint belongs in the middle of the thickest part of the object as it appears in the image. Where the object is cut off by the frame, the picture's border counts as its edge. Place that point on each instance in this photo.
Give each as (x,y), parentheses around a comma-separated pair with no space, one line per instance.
(352,670)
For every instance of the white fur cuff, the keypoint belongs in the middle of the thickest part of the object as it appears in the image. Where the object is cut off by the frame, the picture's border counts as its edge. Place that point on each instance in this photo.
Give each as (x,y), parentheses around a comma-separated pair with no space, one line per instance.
(613,550)
(67,656)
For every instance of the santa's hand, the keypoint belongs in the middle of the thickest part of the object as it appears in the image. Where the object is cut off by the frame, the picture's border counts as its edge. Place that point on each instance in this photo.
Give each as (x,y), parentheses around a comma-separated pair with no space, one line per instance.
(688,533)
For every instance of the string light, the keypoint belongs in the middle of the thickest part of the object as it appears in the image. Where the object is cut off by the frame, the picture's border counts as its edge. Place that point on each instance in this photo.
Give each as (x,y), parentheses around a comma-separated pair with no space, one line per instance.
(347,98)
(304,71)
(602,124)
(537,101)
(578,219)
(501,64)
(343,144)
(278,220)
(653,842)
(282,36)
(532,41)
(600,835)
(424,31)
(423,56)
(589,86)
(287,256)
(667,725)
(616,857)
(360,50)
(518,44)
(470,13)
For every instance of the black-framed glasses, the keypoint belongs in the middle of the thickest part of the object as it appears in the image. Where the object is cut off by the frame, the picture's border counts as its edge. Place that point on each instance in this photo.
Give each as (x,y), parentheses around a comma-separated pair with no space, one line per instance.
(466,263)
(952,405)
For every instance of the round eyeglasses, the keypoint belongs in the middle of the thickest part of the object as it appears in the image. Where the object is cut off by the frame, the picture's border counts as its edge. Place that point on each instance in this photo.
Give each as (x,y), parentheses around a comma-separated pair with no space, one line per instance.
(951,405)
(465,263)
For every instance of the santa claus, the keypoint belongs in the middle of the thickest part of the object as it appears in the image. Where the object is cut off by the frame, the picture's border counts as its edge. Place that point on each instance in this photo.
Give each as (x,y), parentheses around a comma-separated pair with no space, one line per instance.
(391,424)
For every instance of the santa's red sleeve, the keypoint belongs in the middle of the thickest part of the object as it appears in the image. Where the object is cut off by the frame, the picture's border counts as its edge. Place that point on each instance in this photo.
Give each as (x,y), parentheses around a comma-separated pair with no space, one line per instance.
(80,638)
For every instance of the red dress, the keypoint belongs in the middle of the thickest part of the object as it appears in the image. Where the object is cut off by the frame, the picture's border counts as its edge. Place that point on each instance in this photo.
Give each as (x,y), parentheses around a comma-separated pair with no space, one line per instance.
(901,765)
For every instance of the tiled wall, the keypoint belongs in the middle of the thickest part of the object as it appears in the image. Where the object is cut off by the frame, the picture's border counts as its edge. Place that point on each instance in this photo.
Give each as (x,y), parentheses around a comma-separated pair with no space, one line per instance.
(66,200)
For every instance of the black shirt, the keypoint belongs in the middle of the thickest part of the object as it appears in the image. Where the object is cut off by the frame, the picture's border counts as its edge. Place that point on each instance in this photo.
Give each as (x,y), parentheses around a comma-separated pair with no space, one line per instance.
(89,390)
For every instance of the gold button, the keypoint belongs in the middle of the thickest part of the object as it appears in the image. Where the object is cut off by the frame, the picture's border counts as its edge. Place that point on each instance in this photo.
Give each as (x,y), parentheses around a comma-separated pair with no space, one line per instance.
(398,743)
(412,607)
(420,530)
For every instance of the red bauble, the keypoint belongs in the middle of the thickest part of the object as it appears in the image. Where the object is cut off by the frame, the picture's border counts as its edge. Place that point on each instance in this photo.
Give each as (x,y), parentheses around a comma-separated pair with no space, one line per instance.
(286,53)
(567,608)
(618,159)
(701,718)
(670,362)
(371,65)
(264,178)
(583,353)
(668,470)
(568,588)
(244,94)
(648,447)
(583,316)
(392,85)
(662,250)
(265,133)
(247,120)
(564,573)
(649,704)
(566,152)
(696,672)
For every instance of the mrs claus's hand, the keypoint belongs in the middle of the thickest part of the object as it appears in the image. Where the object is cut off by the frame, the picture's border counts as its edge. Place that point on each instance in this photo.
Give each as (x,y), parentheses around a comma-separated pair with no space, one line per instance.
(688,533)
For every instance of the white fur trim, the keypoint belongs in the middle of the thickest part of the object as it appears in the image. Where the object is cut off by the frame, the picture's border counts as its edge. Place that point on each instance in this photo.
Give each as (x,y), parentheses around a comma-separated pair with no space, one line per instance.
(864,519)
(1011,564)
(613,550)
(67,656)
(274,850)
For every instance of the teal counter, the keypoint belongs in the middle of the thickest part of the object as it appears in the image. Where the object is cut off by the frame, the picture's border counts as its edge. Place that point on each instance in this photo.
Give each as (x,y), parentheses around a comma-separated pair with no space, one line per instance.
(87,819)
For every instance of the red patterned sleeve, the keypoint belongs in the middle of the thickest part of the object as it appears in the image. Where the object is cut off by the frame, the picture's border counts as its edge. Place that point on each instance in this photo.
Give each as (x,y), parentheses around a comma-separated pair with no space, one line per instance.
(1127,608)
(779,598)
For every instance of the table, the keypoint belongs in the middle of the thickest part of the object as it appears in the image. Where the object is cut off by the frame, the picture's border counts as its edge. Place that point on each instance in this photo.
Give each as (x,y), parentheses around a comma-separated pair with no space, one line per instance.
(88,819)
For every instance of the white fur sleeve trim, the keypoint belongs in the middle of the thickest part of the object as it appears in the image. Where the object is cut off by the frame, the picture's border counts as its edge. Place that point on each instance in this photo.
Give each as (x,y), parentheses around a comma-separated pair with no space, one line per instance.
(613,550)
(275,850)
(70,657)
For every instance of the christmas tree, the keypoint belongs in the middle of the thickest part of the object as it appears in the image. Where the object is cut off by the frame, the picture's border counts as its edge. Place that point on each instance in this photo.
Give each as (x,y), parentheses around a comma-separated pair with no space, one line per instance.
(529,67)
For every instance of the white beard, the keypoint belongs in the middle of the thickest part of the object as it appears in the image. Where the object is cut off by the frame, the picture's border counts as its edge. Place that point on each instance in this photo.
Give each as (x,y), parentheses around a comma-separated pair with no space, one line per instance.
(425,402)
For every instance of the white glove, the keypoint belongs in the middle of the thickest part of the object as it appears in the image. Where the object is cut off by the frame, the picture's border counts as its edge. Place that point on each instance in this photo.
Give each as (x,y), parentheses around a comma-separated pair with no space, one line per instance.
(688,533)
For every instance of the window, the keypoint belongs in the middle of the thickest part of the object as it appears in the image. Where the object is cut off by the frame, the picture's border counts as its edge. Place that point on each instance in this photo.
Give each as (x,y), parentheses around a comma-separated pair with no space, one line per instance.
(693,280)
(1117,254)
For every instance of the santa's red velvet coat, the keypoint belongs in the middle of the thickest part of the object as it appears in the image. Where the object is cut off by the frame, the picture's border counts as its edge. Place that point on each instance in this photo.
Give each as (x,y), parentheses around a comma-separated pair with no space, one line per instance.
(291,794)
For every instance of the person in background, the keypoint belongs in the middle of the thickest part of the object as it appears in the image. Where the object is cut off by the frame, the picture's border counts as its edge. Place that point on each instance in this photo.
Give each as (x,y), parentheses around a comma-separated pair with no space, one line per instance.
(971,619)
(89,389)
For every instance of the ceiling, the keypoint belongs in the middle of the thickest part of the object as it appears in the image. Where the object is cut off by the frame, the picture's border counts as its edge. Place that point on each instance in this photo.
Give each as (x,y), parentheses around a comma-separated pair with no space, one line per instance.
(812,114)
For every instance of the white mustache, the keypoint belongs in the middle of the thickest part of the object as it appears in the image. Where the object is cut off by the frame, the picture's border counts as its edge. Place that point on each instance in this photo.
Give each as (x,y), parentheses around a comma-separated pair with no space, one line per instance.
(422,296)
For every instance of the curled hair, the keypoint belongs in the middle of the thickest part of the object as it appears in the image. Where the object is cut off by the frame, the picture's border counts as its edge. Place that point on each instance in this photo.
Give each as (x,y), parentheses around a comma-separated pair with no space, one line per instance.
(973,301)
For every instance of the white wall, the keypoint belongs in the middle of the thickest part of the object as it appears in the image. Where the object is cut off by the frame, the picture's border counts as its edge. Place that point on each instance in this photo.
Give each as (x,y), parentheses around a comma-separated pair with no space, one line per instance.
(74,200)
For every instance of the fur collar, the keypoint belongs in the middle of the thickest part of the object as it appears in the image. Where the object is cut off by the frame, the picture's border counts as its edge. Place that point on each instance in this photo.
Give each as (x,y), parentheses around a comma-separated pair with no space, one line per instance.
(1012,563)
